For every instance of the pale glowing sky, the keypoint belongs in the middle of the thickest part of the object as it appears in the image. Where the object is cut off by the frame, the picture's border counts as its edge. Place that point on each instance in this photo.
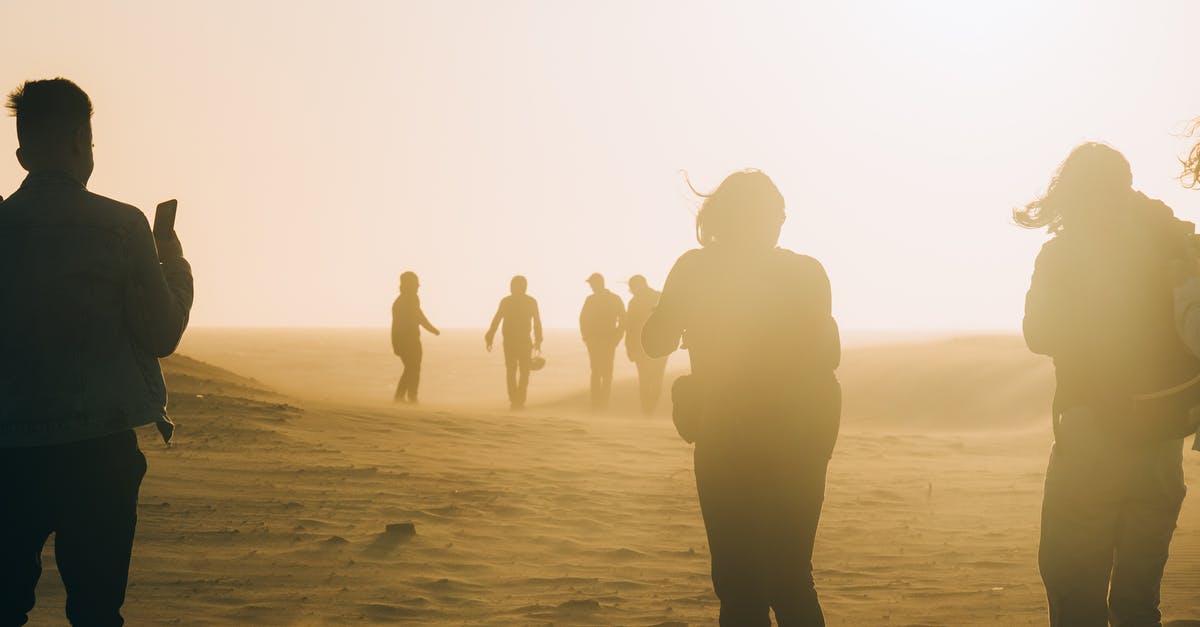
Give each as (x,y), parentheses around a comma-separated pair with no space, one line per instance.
(318,149)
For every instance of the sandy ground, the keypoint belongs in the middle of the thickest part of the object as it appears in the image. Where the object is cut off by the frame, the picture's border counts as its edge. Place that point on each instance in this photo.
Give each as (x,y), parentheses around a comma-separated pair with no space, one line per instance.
(272,506)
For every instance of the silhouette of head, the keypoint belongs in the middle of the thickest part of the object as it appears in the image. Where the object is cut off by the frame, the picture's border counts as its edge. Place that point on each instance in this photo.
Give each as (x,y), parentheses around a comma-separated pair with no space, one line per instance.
(1191,165)
(596,281)
(54,127)
(518,285)
(746,210)
(637,284)
(409,282)
(1091,183)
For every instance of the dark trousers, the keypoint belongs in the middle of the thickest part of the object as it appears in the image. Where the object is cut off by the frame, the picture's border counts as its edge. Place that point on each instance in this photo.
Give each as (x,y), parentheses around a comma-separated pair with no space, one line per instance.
(601,355)
(1108,514)
(85,493)
(406,389)
(650,382)
(517,356)
(761,504)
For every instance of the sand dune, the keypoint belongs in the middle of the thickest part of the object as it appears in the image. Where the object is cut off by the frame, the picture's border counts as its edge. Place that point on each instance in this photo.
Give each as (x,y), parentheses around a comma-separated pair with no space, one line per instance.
(274,509)
(903,384)
(967,383)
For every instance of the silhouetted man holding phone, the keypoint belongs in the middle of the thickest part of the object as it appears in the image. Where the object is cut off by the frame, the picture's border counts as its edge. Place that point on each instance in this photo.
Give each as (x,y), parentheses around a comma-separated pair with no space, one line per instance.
(90,300)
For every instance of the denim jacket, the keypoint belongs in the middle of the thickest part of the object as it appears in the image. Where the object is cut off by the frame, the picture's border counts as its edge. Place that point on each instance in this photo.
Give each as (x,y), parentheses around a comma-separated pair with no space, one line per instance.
(86,310)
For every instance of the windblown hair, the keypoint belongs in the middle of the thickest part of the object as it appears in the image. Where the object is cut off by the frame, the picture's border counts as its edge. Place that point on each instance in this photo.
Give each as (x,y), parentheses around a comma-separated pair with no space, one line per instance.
(1191,165)
(48,110)
(745,207)
(1089,170)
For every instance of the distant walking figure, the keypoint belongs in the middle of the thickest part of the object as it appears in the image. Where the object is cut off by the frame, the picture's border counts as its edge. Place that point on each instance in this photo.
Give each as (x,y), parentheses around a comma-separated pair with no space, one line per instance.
(90,299)
(756,320)
(1101,304)
(519,314)
(407,320)
(650,369)
(602,323)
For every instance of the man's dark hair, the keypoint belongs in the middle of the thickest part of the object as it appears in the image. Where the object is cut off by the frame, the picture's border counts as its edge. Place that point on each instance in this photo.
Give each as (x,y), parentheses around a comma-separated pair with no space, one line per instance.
(48,110)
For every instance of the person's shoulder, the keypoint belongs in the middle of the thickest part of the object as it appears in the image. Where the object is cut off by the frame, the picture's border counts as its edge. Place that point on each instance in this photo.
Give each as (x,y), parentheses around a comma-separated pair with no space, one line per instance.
(11,204)
(690,260)
(800,262)
(113,211)
(81,205)
(1053,250)
(1156,207)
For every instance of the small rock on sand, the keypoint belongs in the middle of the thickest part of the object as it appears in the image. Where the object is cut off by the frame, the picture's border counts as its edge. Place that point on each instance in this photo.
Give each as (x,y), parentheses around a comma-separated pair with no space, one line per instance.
(403,529)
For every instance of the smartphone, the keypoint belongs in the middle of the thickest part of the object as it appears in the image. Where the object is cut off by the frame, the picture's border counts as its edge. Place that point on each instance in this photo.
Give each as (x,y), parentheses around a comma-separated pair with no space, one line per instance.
(164,218)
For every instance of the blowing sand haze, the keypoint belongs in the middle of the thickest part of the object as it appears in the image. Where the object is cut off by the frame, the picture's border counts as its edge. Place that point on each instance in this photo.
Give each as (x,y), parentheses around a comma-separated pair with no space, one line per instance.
(599,313)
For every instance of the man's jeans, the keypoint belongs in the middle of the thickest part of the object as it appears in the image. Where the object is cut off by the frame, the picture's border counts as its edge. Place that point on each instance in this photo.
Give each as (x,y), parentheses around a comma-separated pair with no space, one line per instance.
(85,493)
(761,506)
(1107,518)
(601,356)
(517,359)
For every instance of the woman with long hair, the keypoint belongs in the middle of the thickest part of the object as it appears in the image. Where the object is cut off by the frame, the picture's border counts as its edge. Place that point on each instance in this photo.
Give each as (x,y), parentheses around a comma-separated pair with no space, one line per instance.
(765,403)
(1101,305)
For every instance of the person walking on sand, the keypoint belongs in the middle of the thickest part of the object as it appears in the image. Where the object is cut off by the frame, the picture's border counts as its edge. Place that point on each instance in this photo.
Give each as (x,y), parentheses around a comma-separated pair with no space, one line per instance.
(602,324)
(762,403)
(407,320)
(650,369)
(1101,304)
(91,299)
(519,314)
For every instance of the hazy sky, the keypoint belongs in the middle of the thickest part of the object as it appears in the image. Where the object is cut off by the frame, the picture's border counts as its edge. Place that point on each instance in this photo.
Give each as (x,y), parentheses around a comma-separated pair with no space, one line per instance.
(318,149)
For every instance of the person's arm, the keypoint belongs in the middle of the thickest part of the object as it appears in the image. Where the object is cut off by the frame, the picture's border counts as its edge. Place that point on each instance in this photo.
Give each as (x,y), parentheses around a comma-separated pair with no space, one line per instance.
(665,326)
(1046,325)
(396,326)
(490,336)
(620,316)
(537,326)
(583,319)
(828,352)
(426,323)
(158,297)
(1187,314)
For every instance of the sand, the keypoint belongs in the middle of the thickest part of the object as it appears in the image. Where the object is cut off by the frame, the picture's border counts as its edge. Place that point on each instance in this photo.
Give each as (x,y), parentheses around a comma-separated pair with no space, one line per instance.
(273,504)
